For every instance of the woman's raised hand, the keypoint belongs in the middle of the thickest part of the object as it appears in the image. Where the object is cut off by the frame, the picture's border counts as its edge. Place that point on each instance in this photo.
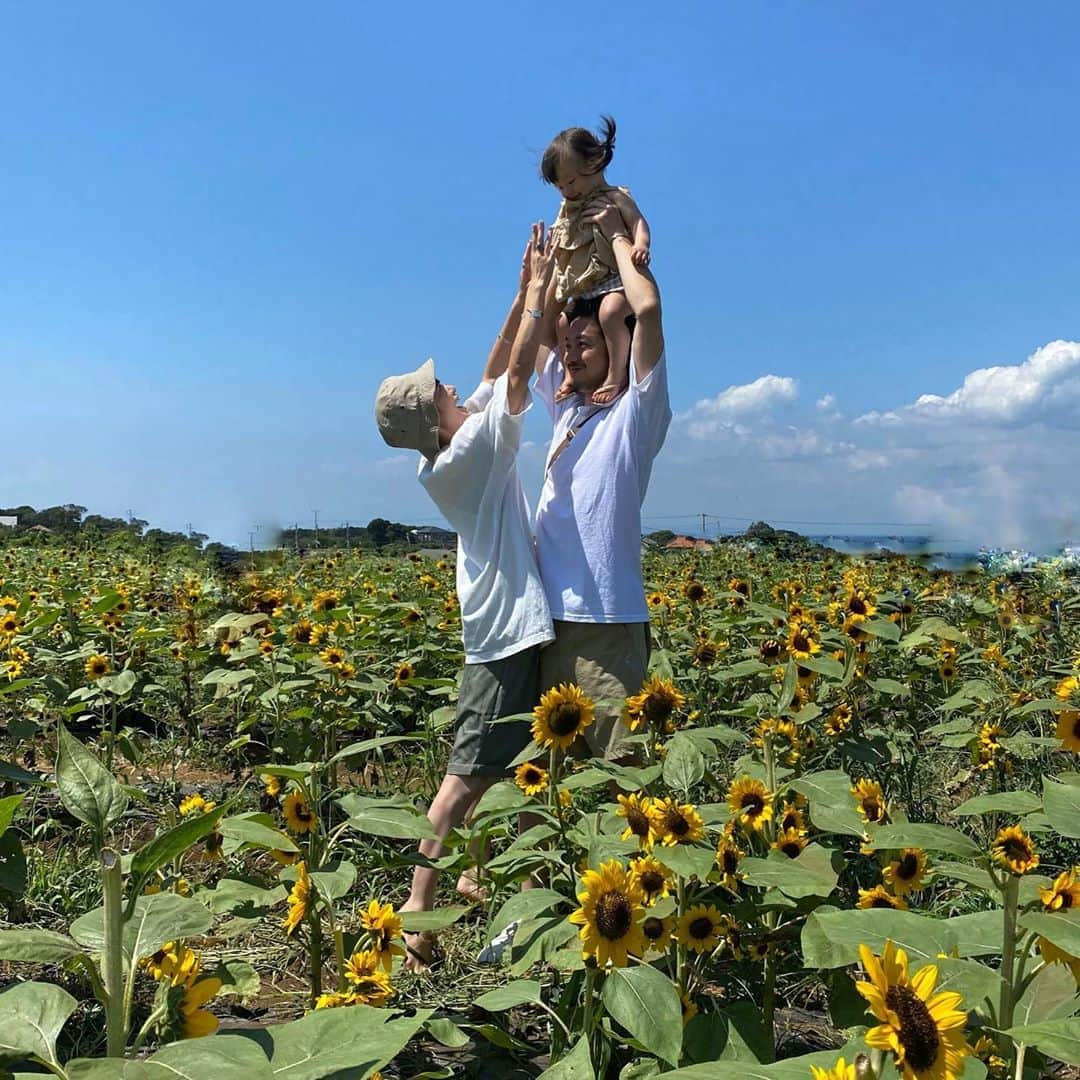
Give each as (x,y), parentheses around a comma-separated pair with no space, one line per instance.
(541,253)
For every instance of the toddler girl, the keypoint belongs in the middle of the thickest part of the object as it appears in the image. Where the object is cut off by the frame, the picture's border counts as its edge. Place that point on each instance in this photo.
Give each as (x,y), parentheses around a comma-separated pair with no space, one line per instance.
(585,264)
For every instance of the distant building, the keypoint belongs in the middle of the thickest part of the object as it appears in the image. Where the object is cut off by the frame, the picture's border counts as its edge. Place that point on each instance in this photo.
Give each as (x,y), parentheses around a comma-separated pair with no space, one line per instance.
(10,520)
(687,543)
(432,536)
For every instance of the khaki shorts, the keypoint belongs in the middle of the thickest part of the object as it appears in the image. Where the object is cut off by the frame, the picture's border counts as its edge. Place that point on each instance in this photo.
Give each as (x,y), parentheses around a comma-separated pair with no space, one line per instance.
(488,691)
(607,660)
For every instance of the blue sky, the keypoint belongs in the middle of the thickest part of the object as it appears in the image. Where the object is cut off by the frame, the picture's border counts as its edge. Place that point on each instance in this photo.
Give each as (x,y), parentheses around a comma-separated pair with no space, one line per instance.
(223,224)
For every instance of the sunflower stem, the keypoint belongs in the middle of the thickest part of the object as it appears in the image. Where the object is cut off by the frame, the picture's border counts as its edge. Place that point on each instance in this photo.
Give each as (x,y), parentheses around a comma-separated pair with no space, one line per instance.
(1008,954)
(113,963)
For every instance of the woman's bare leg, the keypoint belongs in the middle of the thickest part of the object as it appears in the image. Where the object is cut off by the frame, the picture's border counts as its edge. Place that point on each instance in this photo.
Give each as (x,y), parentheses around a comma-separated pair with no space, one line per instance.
(447,811)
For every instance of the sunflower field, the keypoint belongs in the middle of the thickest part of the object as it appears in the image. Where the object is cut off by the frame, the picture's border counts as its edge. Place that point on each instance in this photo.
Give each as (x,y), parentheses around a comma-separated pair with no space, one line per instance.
(844,841)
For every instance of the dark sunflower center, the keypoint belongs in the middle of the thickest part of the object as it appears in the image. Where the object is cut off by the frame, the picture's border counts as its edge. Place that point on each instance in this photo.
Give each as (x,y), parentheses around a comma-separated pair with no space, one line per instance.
(791,848)
(652,881)
(637,821)
(790,821)
(908,868)
(565,718)
(918,1032)
(801,642)
(1066,899)
(1076,726)
(742,588)
(872,808)
(882,901)
(857,606)
(658,707)
(694,591)
(675,823)
(1016,849)
(613,916)
(701,928)
(653,928)
(532,776)
(770,648)
(752,804)
(706,654)
(303,813)
(730,861)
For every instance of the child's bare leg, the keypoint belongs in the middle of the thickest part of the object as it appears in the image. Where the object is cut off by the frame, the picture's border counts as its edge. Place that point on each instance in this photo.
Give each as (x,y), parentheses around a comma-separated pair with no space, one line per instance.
(614,311)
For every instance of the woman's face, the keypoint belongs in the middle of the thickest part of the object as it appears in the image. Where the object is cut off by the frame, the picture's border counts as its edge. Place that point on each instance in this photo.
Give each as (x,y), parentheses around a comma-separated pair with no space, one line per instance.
(450,412)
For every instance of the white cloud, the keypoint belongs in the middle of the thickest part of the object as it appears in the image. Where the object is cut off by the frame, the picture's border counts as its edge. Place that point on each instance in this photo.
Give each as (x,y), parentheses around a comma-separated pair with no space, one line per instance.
(993,462)
(1045,387)
(718,416)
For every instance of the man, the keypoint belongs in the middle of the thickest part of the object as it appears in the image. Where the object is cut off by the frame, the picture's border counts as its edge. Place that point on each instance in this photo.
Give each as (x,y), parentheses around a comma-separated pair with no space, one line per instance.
(588,523)
(468,466)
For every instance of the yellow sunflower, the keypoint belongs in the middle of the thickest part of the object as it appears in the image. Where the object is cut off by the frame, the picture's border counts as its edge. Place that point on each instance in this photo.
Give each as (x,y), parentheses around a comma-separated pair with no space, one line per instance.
(791,815)
(924,1031)
(272,785)
(212,846)
(96,666)
(369,984)
(563,714)
(531,778)
(870,800)
(658,932)
(728,854)
(384,925)
(299,817)
(790,842)
(300,899)
(652,876)
(750,803)
(840,1071)
(1068,688)
(610,916)
(880,897)
(194,1020)
(1013,849)
(332,657)
(695,592)
(1064,894)
(635,808)
(800,643)
(404,674)
(1068,730)
(656,703)
(700,928)
(905,874)
(195,803)
(674,822)
(838,721)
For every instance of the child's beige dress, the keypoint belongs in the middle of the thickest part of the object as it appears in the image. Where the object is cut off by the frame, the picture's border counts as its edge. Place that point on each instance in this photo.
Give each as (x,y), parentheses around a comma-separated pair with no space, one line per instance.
(584,261)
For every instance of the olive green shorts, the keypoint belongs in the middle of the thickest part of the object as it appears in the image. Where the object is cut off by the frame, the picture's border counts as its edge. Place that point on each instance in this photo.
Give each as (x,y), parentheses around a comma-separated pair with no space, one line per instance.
(608,661)
(488,692)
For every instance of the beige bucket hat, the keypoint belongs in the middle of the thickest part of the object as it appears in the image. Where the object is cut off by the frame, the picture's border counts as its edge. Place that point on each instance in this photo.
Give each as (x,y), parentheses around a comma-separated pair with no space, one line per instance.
(405,410)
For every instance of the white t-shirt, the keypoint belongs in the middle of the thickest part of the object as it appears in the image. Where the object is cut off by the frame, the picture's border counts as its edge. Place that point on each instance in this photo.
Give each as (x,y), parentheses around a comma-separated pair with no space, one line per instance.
(474,482)
(588,520)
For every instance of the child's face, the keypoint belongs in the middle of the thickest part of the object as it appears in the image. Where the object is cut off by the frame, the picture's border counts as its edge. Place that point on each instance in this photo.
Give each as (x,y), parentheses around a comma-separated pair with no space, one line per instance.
(572,182)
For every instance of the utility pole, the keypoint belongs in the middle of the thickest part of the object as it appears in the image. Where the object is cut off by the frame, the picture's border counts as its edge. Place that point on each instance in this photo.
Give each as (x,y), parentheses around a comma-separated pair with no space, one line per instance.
(348,542)
(190,530)
(702,526)
(316,513)
(251,540)
(296,537)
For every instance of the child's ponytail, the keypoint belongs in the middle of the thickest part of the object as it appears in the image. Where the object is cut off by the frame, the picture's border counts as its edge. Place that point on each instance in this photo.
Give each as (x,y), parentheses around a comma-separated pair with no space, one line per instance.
(592,153)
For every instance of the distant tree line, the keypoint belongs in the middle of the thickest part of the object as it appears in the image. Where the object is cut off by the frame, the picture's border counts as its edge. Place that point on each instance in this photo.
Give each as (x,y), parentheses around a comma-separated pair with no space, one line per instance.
(72,521)
(377,533)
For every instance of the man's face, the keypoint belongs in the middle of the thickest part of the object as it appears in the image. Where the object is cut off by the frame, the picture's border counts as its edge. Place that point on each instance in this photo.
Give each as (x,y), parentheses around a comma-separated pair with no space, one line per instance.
(584,352)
